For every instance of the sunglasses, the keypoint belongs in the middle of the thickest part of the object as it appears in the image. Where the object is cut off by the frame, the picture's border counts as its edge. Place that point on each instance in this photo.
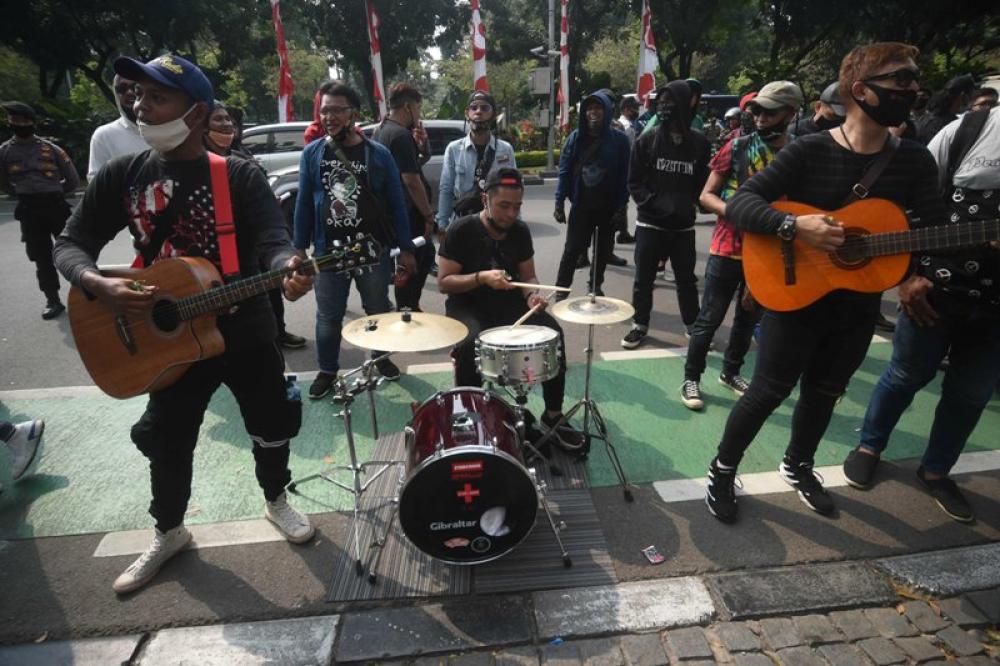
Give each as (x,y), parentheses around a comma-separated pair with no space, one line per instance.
(756,110)
(904,77)
(485,108)
(336,110)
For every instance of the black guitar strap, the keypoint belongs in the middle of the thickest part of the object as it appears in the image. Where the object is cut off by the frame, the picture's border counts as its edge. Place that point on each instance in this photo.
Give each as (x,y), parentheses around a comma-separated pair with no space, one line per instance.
(863,187)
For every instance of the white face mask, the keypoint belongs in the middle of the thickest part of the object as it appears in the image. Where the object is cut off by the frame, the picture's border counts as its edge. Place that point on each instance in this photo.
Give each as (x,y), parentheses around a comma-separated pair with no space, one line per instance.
(166,136)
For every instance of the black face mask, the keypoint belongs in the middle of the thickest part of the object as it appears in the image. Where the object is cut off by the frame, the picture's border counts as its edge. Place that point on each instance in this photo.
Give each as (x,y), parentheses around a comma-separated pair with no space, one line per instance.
(665,113)
(893,105)
(825,123)
(23,131)
(773,133)
(747,125)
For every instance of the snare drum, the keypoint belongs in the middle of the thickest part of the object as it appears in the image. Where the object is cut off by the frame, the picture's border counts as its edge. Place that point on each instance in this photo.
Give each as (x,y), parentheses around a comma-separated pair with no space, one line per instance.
(468,497)
(521,355)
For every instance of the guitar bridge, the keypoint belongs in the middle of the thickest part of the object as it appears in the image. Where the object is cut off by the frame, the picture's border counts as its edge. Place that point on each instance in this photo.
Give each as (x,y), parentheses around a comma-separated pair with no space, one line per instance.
(121,327)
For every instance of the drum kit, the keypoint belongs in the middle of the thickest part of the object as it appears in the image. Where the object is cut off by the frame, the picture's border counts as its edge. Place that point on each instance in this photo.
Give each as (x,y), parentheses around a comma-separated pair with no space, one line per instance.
(465,493)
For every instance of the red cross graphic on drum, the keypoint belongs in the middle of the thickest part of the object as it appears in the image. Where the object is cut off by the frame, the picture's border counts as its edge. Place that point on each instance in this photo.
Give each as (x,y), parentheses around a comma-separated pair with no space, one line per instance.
(468,493)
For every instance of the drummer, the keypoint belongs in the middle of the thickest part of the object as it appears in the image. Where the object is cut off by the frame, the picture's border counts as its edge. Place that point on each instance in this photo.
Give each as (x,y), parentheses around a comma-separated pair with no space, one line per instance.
(480,256)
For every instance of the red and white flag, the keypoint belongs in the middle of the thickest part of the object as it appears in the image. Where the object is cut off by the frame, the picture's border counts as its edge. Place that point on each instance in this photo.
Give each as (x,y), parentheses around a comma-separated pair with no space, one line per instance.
(648,62)
(478,50)
(376,58)
(563,96)
(285,87)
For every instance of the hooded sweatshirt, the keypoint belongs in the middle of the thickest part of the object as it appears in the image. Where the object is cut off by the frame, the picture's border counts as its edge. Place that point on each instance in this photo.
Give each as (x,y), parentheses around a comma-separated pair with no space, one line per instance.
(608,167)
(115,139)
(665,179)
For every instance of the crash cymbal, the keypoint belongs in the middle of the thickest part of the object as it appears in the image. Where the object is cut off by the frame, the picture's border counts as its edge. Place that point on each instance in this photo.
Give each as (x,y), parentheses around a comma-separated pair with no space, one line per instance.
(404,331)
(600,310)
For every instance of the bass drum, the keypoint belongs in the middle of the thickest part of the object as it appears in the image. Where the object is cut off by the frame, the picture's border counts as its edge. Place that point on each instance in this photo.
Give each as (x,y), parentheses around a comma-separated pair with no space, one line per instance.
(468,497)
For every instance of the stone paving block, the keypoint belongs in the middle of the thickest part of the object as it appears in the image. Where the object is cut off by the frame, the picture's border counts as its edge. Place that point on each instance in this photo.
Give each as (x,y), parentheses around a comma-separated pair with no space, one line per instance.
(800,656)
(882,651)
(842,654)
(978,660)
(472,659)
(644,650)
(751,659)
(296,641)
(890,623)
(780,632)
(924,617)
(625,608)
(919,648)
(963,612)
(801,589)
(689,643)
(439,660)
(737,637)
(450,627)
(116,650)
(988,602)
(855,624)
(525,655)
(817,629)
(948,572)
(564,654)
(600,651)
(960,642)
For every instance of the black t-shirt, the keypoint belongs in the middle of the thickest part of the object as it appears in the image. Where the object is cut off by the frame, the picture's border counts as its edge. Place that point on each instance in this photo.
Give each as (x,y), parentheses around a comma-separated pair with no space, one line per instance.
(350,210)
(400,143)
(469,244)
(172,202)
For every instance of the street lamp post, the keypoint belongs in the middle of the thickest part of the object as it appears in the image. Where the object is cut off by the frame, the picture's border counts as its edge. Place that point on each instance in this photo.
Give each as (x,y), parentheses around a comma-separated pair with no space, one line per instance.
(550,148)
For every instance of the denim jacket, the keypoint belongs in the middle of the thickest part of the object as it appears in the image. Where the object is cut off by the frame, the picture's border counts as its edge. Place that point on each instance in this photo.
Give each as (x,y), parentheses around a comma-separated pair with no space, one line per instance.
(383,177)
(458,172)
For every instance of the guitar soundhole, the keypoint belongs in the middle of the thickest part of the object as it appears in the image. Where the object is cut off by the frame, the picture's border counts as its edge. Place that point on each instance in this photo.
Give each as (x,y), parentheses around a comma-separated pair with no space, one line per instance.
(165,316)
(853,254)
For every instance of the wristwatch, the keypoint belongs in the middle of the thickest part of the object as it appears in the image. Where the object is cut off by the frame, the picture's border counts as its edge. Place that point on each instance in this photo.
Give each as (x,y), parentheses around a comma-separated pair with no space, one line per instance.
(786,231)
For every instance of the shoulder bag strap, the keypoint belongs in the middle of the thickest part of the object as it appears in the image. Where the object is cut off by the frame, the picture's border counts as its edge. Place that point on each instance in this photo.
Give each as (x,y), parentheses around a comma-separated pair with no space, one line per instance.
(968,131)
(862,188)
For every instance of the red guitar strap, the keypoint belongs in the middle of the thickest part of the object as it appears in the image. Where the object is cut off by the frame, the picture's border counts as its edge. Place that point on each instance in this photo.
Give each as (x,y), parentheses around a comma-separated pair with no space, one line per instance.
(225,229)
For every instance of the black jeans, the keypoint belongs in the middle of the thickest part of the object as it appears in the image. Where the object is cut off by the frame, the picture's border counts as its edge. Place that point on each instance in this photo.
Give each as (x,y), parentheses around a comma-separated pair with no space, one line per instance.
(167,431)
(823,344)
(408,296)
(502,313)
(579,229)
(42,218)
(651,245)
(723,280)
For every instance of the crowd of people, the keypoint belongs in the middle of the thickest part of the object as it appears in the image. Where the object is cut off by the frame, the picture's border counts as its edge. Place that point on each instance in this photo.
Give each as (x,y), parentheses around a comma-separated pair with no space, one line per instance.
(873,132)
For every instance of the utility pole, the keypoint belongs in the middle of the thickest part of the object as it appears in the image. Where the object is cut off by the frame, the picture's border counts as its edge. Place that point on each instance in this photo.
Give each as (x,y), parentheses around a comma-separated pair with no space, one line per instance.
(550,150)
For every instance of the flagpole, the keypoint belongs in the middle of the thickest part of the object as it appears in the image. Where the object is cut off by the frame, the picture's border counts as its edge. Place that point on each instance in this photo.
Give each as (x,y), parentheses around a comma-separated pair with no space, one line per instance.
(550,148)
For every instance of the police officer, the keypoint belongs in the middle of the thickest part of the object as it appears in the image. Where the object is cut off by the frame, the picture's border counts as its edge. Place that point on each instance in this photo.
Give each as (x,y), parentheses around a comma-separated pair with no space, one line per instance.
(39,173)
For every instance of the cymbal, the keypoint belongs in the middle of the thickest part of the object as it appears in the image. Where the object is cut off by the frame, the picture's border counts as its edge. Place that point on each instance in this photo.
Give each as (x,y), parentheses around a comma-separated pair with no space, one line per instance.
(404,331)
(602,310)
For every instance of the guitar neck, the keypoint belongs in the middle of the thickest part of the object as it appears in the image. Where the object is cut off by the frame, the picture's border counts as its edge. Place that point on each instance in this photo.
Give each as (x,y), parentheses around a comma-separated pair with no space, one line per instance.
(941,237)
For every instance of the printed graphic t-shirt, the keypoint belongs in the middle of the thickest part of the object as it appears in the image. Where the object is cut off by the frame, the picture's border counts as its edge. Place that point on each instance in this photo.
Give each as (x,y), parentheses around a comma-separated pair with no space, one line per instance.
(349,208)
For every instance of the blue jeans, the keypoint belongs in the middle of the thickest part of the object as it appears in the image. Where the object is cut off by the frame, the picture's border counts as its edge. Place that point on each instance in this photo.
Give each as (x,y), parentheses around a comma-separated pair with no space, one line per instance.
(723,280)
(972,334)
(332,290)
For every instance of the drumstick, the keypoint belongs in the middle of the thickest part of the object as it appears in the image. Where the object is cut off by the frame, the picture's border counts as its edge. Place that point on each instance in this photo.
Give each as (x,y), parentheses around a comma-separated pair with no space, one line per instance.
(532,285)
(526,315)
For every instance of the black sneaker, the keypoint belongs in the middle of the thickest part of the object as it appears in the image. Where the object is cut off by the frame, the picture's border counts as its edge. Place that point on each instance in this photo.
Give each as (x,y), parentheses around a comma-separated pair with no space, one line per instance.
(566,436)
(808,483)
(735,383)
(634,337)
(720,493)
(582,261)
(291,341)
(388,370)
(615,260)
(859,468)
(691,395)
(53,308)
(947,495)
(625,238)
(884,324)
(321,385)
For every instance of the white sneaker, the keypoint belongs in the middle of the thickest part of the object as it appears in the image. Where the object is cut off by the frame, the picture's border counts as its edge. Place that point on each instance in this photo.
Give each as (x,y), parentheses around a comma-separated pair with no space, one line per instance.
(294,525)
(165,545)
(26,447)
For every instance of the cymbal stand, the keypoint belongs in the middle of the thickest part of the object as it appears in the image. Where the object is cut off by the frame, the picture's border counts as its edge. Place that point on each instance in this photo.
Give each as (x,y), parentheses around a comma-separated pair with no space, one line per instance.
(344,395)
(519,392)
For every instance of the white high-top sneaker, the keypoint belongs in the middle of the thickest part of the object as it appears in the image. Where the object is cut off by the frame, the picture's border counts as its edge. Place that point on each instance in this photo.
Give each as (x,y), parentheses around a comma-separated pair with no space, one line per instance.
(294,525)
(164,546)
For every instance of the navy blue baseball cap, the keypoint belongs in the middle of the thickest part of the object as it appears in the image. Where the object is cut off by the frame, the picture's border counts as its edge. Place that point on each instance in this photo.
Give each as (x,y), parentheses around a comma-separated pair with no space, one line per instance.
(172,71)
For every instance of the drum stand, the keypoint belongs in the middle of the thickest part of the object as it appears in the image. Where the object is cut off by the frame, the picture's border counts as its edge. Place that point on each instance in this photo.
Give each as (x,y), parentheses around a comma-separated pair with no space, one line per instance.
(344,395)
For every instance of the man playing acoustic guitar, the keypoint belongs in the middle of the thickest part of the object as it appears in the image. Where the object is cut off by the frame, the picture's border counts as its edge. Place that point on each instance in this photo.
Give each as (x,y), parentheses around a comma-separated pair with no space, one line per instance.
(164,196)
(823,343)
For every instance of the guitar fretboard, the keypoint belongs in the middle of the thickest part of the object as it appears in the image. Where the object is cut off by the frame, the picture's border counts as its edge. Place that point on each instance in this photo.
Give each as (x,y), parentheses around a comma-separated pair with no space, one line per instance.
(941,237)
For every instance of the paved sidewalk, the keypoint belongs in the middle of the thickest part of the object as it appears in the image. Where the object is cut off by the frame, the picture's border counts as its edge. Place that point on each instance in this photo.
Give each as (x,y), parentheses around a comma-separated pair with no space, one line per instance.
(935,607)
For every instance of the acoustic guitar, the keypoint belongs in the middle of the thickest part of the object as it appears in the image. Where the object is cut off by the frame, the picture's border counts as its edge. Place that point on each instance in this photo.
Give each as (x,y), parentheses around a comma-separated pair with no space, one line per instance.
(128,356)
(875,255)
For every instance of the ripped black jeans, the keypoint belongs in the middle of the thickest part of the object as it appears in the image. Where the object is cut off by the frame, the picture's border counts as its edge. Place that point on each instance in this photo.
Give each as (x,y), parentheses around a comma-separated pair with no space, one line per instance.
(821,344)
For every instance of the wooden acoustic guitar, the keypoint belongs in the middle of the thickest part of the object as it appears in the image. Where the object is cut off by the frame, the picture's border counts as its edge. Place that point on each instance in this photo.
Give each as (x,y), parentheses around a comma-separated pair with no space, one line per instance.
(875,255)
(128,356)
